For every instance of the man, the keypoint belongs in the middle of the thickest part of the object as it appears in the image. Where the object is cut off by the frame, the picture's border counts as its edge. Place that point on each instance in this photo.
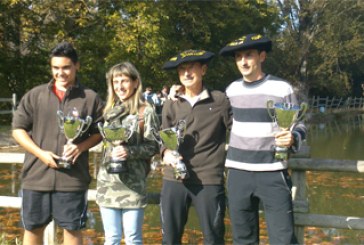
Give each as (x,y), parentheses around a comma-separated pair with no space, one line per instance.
(254,174)
(208,117)
(48,190)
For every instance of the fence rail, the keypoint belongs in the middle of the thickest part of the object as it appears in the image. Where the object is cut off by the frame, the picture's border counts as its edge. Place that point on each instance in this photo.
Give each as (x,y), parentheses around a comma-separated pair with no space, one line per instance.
(327,104)
(299,164)
(13,103)
(316,104)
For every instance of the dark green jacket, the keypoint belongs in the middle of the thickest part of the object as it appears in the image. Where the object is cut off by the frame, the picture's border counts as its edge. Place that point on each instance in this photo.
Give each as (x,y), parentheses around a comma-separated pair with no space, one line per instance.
(37,114)
(203,149)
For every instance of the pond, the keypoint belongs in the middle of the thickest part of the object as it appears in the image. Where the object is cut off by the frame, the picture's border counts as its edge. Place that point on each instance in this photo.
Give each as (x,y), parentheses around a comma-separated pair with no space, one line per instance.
(329,193)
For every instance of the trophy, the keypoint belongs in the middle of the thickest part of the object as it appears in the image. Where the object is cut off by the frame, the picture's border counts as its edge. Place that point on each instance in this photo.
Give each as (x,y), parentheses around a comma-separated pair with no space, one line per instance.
(72,126)
(172,138)
(285,115)
(117,134)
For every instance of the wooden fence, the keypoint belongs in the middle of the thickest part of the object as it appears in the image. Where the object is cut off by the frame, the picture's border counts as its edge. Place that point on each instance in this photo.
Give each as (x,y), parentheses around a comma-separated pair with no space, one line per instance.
(12,101)
(299,164)
(335,104)
(316,104)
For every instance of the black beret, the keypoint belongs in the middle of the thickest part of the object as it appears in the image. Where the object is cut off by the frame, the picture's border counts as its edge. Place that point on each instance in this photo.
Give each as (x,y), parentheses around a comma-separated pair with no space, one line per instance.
(250,41)
(188,56)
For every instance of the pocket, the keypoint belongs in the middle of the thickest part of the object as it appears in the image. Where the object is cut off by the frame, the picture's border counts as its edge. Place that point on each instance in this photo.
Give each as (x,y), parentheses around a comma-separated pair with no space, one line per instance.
(286,178)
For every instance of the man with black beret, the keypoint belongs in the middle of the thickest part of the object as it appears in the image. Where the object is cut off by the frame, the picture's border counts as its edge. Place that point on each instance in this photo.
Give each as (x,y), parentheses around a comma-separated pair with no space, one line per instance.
(254,173)
(207,114)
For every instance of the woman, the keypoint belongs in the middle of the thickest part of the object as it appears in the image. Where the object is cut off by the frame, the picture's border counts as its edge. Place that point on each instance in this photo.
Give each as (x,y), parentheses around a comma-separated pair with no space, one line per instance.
(121,196)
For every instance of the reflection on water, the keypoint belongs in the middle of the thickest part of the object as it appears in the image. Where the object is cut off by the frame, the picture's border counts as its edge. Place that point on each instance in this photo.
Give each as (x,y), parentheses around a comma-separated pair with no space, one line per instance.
(329,193)
(338,140)
(338,193)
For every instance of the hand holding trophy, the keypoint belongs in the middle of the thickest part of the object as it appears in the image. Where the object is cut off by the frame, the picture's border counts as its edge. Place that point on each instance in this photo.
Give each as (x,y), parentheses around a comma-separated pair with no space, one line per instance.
(117,134)
(285,115)
(72,126)
(172,138)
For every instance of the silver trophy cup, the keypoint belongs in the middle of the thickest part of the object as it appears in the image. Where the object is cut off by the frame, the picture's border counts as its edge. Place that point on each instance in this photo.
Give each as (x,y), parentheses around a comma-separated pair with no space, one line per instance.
(172,138)
(116,135)
(285,115)
(72,126)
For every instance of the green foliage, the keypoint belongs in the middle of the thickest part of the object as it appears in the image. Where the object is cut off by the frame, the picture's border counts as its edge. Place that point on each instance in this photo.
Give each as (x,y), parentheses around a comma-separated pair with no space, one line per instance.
(318,45)
(322,45)
(146,33)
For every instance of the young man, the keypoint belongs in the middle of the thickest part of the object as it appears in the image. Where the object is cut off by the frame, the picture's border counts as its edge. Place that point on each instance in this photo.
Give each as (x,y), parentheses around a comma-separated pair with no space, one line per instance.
(254,174)
(48,190)
(208,117)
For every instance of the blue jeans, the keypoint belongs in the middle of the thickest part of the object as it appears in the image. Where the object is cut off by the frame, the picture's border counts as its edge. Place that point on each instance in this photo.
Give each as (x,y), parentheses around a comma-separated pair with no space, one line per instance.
(114,220)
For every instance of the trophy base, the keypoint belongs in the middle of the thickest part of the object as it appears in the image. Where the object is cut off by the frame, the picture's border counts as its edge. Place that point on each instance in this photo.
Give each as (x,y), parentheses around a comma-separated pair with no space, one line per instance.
(116,167)
(281,153)
(64,164)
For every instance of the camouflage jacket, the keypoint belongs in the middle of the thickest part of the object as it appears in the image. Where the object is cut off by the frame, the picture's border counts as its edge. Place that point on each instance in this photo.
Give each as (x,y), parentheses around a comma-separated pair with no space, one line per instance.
(128,190)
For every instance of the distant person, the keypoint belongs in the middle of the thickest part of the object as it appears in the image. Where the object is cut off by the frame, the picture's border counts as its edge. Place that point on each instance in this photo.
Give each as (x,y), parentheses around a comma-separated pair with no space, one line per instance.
(208,118)
(254,174)
(165,92)
(150,96)
(48,191)
(159,104)
(122,196)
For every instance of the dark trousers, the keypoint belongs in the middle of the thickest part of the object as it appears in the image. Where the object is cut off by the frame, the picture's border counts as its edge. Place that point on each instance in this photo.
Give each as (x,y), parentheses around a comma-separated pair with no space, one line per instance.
(245,190)
(209,202)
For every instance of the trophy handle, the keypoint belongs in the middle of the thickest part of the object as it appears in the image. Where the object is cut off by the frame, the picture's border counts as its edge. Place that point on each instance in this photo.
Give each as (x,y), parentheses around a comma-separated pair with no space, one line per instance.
(101,129)
(132,128)
(303,110)
(156,136)
(60,117)
(180,130)
(270,105)
(86,124)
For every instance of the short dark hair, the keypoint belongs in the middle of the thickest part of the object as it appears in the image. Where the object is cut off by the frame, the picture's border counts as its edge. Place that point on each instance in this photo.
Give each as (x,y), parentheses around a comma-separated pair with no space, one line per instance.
(65,49)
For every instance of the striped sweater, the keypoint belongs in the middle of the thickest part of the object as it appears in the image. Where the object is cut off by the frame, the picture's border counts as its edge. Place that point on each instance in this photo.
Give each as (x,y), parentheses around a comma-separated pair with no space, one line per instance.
(251,145)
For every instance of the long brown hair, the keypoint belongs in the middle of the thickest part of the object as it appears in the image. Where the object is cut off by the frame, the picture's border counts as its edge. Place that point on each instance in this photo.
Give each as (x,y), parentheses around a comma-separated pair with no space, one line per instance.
(133,103)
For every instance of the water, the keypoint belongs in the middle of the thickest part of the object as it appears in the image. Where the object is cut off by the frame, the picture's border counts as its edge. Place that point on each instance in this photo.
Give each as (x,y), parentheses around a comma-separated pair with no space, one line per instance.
(329,193)
(337,193)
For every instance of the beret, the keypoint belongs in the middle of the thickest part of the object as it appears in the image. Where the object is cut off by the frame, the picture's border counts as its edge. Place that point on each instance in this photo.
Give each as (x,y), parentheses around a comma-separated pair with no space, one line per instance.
(250,41)
(188,56)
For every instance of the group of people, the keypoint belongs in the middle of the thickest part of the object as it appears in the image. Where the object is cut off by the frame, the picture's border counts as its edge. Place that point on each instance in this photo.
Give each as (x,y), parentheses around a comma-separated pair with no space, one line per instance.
(254,174)
(156,99)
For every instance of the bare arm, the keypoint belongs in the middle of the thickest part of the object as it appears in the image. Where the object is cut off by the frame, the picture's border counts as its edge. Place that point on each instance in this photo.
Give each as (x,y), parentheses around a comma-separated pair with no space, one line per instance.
(23,138)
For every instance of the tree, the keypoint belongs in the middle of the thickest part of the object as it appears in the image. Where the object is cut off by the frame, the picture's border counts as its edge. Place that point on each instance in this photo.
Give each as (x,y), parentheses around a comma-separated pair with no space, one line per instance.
(190,24)
(322,43)
(146,33)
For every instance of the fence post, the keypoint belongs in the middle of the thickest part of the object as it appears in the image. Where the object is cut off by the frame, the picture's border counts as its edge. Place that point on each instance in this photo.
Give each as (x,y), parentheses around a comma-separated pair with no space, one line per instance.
(13,103)
(300,196)
(299,193)
(348,101)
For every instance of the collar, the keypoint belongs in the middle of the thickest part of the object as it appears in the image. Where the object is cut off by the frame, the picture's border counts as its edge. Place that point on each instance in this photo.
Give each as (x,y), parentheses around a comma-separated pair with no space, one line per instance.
(76,85)
(205,94)
(255,83)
